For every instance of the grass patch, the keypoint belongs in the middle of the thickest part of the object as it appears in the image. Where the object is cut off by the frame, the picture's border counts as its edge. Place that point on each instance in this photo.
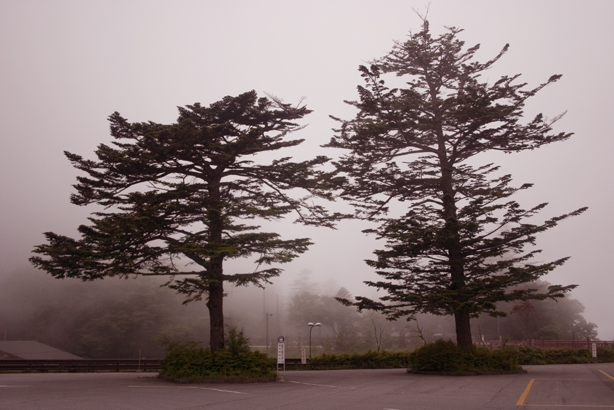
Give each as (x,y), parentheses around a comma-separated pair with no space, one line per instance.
(191,361)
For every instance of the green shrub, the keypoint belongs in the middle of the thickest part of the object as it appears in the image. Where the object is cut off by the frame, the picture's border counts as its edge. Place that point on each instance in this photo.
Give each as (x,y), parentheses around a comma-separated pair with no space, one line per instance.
(369,360)
(447,357)
(530,355)
(605,354)
(190,360)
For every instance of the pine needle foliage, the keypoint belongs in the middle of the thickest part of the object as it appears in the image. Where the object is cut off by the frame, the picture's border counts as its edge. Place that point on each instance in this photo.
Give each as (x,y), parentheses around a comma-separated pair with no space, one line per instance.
(179,200)
(461,242)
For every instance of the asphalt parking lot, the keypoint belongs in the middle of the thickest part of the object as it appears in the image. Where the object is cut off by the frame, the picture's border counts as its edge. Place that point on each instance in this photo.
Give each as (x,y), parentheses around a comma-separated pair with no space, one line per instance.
(553,386)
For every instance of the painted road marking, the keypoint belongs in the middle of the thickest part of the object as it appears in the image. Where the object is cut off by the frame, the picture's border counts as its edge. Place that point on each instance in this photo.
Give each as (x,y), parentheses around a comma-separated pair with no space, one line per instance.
(525,393)
(607,374)
(155,387)
(324,385)
(568,405)
(313,384)
(194,388)
(223,391)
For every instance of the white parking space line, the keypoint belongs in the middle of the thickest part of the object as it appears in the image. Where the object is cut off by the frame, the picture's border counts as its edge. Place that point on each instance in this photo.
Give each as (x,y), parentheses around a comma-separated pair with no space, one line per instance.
(193,388)
(155,387)
(223,391)
(324,385)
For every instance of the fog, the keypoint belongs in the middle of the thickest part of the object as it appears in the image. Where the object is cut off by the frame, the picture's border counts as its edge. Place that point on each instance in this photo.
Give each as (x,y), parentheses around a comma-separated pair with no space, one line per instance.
(133,317)
(66,65)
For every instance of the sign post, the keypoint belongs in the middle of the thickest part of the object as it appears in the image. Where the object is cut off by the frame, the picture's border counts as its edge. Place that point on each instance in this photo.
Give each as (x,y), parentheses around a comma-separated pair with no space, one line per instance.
(303,355)
(594,348)
(281,353)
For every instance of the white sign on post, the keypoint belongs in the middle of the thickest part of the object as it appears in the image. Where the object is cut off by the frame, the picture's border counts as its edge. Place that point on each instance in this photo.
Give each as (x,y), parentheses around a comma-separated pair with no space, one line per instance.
(303,356)
(594,349)
(281,353)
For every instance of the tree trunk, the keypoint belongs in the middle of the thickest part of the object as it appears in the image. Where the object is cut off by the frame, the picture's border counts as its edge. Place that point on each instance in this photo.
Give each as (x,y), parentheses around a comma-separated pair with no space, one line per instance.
(216,315)
(463,329)
(456,261)
(215,302)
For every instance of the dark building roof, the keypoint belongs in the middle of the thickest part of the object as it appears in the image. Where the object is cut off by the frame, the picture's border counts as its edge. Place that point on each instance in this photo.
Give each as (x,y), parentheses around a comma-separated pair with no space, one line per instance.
(31,350)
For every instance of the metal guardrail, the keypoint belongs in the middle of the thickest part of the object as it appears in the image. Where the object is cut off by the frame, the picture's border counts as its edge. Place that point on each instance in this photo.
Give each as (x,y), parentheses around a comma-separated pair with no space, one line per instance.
(293,362)
(153,365)
(94,365)
(86,365)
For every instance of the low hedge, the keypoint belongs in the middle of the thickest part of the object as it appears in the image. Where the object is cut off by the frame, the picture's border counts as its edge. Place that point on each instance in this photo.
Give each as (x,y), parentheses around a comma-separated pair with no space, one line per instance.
(368,360)
(530,355)
(605,354)
(446,357)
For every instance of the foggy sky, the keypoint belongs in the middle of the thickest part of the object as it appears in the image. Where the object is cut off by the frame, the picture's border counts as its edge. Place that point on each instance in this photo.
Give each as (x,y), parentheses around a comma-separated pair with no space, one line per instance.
(65,66)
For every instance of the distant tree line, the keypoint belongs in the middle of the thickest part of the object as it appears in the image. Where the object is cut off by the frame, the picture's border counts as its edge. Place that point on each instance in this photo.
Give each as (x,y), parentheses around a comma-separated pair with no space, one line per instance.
(113,319)
(345,330)
(107,319)
(548,319)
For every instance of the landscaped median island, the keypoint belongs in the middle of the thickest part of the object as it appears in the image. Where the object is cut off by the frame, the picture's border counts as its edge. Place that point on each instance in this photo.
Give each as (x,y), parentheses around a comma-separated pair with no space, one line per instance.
(190,362)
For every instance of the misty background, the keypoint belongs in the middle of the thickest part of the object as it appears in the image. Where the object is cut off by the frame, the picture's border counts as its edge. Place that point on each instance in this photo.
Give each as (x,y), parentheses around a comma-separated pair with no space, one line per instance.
(65,66)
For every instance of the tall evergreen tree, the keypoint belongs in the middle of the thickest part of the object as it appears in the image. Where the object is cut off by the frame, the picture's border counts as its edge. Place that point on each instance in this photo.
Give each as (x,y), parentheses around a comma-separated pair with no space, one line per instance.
(461,242)
(178,200)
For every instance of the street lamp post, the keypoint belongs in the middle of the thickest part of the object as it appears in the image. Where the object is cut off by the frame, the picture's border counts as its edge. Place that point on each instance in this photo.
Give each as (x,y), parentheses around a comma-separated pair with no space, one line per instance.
(266,316)
(311,325)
